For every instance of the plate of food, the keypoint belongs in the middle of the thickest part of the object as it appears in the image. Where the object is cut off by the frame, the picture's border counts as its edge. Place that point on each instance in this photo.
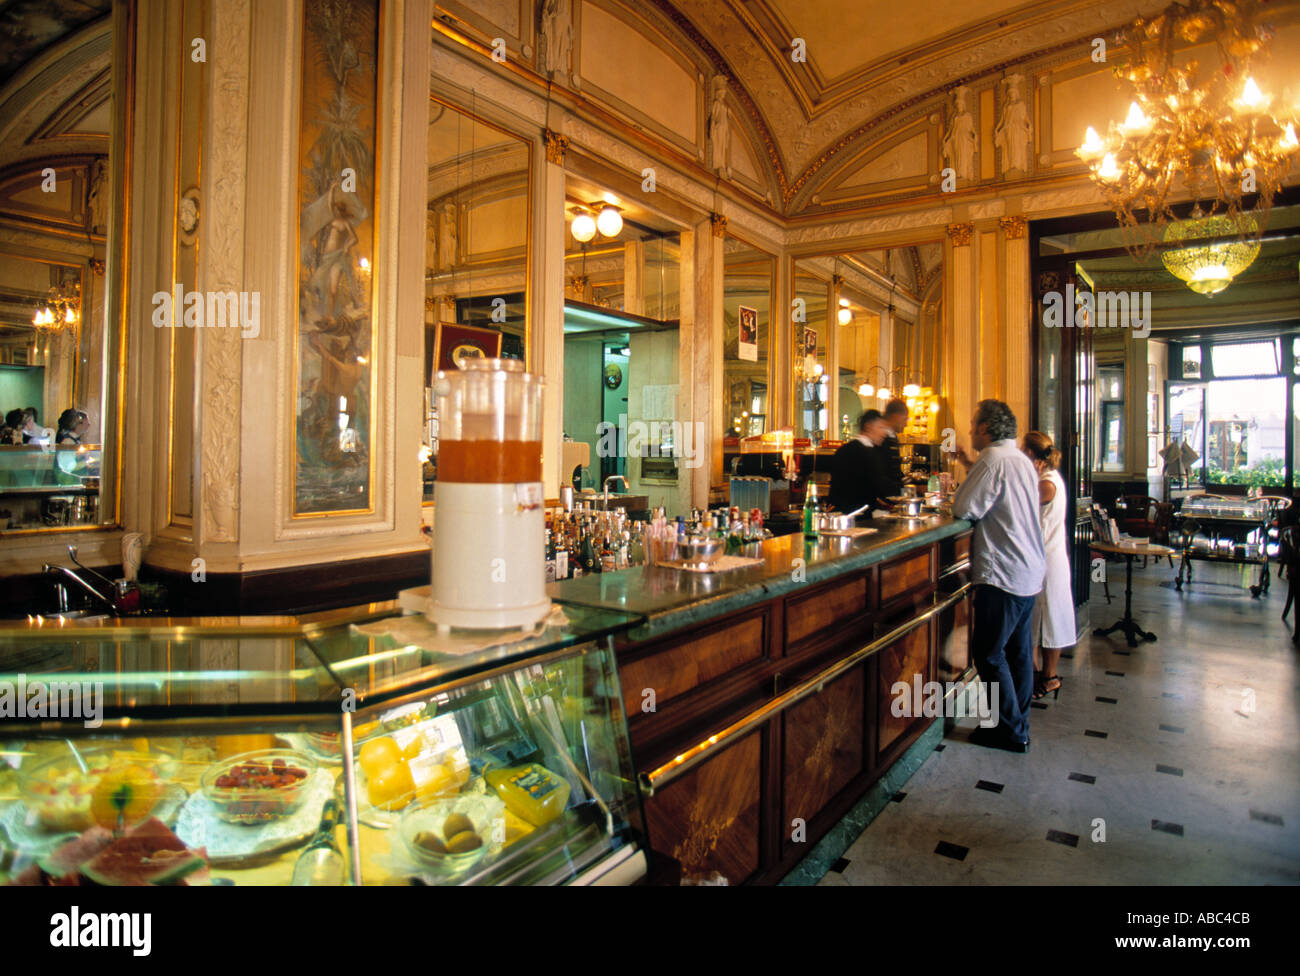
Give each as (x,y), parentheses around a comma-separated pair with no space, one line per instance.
(120,788)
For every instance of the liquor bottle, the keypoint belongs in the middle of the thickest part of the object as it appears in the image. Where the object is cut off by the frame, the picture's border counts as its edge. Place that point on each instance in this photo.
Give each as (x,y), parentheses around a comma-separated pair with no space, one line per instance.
(588,555)
(562,569)
(550,557)
(810,511)
(636,551)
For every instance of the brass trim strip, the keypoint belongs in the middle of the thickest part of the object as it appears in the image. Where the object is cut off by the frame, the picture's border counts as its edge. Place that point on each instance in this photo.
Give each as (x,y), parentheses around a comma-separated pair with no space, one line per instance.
(954,569)
(658,778)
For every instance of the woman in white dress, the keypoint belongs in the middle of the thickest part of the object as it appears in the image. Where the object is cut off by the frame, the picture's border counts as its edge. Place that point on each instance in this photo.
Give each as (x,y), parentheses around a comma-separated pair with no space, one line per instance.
(1054,625)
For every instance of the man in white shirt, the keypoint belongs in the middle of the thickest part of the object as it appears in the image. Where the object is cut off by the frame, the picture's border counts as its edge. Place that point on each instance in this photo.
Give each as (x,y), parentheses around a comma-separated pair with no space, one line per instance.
(1000,494)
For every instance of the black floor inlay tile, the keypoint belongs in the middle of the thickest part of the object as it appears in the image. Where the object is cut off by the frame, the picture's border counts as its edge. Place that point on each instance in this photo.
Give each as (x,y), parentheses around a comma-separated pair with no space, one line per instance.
(1116,674)
(1108,701)
(940,747)
(1067,655)
(990,786)
(1268,818)
(1171,770)
(1172,728)
(839,866)
(954,851)
(1170,694)
(1037,705)
(1083,778)
(1168,828)
(898,797)
(1061,837)
(1095,734)
(1121,653)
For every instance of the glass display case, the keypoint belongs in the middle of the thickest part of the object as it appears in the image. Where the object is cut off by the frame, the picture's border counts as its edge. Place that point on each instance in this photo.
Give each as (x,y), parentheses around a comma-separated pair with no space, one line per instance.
(49,486)
(355,746)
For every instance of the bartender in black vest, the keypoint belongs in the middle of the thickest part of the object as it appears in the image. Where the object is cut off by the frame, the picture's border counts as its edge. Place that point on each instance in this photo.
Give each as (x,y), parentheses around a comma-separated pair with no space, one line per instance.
(896,417)
(858,469)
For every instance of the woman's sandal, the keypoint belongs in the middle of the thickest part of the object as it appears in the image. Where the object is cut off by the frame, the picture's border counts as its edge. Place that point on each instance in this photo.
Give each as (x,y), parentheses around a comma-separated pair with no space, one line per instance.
(1041,689)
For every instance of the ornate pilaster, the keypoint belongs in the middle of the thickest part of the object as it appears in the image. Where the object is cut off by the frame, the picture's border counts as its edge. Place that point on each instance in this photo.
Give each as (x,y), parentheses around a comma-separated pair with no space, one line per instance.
(556,146)
(961,234)
(222,269)
(1014,227)
(719,224)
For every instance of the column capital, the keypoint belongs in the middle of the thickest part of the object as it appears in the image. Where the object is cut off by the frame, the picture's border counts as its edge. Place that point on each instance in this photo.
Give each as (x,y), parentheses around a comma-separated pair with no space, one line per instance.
(556,146)
(1014,227)
(719,223)
(961,234)
(837,280)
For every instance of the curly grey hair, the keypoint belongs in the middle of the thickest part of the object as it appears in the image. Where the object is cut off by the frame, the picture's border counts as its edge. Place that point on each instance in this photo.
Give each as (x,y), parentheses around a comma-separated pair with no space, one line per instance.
(999,419)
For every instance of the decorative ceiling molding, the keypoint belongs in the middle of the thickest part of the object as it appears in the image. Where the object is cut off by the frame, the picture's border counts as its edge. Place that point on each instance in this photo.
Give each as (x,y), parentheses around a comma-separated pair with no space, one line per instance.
(45,99)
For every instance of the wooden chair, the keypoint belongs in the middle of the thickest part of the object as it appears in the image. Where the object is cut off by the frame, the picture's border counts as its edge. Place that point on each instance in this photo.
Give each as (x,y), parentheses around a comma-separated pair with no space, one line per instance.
(1148,518)
(1288,558)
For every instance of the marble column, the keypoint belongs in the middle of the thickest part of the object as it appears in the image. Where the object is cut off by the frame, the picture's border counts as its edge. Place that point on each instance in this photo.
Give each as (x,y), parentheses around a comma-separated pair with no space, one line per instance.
(546,355)
(1017,314)
(961,345)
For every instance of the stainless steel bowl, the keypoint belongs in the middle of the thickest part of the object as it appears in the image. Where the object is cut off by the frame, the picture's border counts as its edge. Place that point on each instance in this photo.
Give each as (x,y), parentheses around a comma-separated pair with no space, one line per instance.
(701,551)
(903,505)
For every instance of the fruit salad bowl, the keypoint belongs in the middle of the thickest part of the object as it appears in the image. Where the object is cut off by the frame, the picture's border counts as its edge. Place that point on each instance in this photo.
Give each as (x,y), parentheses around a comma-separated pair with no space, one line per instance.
(123,784)
(260,786)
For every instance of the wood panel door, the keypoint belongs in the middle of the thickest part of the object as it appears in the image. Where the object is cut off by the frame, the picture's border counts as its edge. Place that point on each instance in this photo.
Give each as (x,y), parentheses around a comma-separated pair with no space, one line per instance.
(709,819)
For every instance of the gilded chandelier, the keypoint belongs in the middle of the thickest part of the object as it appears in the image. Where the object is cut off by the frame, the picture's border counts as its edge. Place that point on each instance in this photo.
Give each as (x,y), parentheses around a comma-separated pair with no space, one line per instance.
(1206,129)
(62,308)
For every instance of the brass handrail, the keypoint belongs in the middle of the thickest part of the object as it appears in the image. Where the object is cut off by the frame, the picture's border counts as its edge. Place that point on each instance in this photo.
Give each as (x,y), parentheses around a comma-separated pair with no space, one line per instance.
(658,778)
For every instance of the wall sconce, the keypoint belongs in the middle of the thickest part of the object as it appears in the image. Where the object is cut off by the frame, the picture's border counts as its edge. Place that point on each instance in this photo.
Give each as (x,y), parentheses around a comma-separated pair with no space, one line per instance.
(845,313)
(866,389)
(608,221)
(583,227)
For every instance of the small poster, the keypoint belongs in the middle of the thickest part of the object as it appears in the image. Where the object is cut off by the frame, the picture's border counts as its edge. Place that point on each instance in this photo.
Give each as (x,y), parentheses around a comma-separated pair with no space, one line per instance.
(748,347)
(810,341)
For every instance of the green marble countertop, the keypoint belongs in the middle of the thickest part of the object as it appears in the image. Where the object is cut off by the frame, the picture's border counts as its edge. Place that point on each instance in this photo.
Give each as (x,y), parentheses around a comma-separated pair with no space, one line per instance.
(671,599)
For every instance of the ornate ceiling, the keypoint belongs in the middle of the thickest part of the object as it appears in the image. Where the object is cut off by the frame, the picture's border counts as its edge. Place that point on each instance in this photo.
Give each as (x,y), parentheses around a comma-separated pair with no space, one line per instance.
(867,63)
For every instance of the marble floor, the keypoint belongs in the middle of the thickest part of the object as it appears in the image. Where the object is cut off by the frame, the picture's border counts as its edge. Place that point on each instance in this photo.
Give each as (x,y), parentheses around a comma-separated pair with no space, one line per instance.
(1185,751)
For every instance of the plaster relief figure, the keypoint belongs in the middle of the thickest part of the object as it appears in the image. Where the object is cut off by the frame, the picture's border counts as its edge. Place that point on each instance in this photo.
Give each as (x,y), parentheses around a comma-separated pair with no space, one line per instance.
(719,128)
(557,38)
(447,236)
(1013,130)
(959,140)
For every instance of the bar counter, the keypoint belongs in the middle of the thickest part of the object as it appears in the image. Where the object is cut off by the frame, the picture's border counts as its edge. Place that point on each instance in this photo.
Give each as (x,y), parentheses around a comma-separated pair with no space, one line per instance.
(758,700)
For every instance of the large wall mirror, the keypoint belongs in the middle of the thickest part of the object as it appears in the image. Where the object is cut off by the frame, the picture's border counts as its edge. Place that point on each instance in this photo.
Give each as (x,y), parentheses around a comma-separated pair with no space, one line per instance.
(871,332)
(748,279)
(60,233)
(477,251)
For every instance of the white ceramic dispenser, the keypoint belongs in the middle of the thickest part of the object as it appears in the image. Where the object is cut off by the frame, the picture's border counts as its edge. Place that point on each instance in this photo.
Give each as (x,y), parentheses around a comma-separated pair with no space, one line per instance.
(489,526)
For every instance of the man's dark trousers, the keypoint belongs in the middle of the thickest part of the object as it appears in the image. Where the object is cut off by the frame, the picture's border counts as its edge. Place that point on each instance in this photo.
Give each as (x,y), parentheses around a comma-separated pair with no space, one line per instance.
(1003,649)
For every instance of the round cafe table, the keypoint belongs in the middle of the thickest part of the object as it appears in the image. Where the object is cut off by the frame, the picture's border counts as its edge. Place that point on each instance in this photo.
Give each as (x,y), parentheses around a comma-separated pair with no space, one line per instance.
(1126,623)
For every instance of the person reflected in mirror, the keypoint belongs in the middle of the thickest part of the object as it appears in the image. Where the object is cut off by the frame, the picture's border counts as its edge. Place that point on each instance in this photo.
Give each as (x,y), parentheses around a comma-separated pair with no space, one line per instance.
(858,468)
(33,432)
(73,425)
(1054,624)
(1000,495)
(11,431)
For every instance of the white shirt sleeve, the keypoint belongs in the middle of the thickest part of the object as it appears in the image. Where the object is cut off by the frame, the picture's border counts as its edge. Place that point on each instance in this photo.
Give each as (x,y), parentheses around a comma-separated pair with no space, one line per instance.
(978,493)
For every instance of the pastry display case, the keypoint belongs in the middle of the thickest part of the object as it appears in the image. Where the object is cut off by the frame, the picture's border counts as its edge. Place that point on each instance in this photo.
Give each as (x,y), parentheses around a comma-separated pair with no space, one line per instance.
(355,746)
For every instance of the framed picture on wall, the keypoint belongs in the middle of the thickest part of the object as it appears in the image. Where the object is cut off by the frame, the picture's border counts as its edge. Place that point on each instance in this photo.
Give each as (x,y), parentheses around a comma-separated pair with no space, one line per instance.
(747,348)
(452,344)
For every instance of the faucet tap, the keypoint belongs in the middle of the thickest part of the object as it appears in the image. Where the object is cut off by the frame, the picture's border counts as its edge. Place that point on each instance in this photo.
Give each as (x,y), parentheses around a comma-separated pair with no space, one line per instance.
(61,590)
(605,485)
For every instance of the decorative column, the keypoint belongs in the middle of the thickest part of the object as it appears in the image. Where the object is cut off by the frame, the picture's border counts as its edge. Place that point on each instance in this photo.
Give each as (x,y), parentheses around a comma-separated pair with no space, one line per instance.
(546,335)
(1017,319)
(700,356)
(833,356)
(961,345)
